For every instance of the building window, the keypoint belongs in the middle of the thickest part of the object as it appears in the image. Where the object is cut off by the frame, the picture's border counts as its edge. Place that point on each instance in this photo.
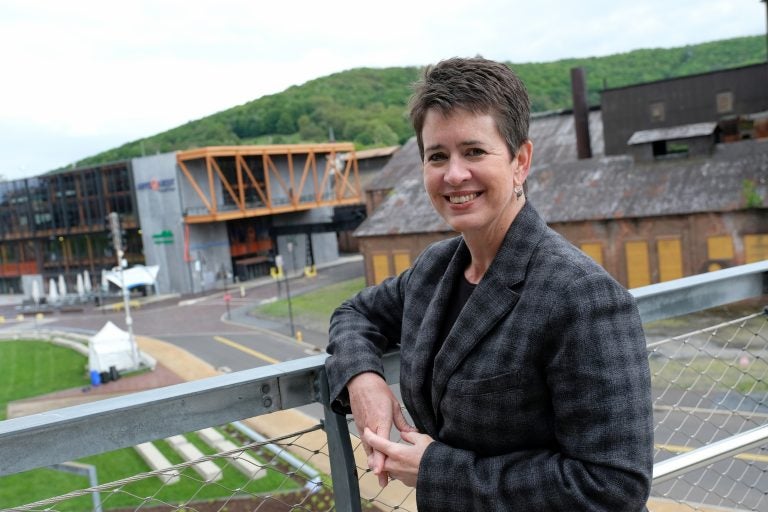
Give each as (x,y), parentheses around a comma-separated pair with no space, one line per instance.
(380,267)
(755,248)
(724,102)
(670,259)
(669,149)
(719,251)
(657,111)
(638,269)
(594,251)
(402,261)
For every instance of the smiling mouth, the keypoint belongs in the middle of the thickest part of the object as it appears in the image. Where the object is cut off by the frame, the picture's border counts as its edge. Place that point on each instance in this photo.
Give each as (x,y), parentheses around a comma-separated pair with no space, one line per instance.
(464,198)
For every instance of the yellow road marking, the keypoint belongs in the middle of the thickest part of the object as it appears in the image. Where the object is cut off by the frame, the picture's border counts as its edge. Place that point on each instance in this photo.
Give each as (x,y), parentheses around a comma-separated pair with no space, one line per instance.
(245,349)
(676,448)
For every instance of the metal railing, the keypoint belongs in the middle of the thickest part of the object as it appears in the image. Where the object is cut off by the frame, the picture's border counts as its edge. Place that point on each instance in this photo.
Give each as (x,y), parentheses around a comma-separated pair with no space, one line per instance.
(49,438)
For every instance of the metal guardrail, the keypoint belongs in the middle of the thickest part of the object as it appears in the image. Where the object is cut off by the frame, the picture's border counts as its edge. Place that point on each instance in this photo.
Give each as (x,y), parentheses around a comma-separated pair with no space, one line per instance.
(701,291)
(36,441)
(707,455)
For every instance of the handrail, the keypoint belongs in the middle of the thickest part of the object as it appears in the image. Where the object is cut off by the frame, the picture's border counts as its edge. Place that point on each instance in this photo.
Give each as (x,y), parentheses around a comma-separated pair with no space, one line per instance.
(129,420)
(52,437)
(709,454)
(701,291)
(37,440)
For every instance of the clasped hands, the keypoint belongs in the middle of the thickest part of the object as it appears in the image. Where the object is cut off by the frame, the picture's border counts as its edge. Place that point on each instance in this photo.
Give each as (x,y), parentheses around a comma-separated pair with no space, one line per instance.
(375,409)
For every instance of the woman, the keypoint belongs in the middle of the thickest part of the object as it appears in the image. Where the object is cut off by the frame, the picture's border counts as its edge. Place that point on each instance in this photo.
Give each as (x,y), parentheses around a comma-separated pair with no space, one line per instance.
(523,363)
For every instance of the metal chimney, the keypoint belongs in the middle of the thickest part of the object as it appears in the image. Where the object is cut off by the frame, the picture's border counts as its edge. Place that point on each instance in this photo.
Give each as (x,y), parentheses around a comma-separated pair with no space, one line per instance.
(581,113)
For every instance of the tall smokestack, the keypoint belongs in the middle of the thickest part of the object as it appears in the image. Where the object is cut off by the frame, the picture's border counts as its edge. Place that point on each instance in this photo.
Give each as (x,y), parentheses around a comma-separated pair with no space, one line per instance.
(581,113)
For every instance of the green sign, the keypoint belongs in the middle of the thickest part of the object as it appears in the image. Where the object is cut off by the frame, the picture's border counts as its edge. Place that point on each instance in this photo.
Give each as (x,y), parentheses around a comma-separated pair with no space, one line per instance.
(164,237)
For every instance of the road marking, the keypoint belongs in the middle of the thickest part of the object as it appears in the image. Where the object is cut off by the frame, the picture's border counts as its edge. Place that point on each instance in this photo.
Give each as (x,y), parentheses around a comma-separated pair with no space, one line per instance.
(676,448)
(245,349)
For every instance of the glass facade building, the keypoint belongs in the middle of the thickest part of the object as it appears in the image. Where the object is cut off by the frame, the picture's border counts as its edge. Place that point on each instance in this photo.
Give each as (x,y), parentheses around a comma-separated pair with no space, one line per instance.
(56,224)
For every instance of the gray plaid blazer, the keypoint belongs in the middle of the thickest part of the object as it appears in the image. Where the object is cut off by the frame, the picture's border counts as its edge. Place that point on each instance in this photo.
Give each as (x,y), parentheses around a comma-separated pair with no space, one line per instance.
(540,394)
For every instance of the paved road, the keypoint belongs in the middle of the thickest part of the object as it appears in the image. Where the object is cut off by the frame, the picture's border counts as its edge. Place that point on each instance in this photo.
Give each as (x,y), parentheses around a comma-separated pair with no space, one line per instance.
(203,326)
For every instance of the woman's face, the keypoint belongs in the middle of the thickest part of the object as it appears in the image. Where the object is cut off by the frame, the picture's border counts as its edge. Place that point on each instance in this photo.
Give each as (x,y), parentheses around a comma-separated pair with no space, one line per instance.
(469,174)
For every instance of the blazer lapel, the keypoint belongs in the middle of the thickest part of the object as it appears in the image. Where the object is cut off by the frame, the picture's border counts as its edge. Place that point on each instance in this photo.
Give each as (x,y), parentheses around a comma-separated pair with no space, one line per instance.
(492,300)
(427,338)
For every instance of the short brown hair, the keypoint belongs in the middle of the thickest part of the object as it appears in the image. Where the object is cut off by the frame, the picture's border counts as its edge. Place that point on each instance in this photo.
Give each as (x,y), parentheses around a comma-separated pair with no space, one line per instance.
(478,85)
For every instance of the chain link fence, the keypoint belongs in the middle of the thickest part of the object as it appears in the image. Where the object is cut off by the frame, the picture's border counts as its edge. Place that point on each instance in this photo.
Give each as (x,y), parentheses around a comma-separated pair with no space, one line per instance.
(708,384)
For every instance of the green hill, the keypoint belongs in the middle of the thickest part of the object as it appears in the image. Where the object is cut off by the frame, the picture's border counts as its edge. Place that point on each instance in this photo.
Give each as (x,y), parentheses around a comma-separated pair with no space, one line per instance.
(368,106)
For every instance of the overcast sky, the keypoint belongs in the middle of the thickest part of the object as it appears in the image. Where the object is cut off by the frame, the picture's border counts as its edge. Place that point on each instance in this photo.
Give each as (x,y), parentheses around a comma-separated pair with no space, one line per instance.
(79,77)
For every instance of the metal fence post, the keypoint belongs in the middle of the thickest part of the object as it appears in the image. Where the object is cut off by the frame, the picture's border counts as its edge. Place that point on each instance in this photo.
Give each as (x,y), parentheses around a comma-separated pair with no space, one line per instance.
(89,470)
(346,488)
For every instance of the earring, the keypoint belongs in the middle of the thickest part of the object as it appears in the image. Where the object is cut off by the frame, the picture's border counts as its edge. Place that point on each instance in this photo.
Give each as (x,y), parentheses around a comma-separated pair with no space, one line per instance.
(519,192)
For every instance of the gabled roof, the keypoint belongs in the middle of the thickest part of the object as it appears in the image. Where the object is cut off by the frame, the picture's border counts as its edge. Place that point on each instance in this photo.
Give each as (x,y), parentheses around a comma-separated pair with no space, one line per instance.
(619,187)
(404,162)
(599,188)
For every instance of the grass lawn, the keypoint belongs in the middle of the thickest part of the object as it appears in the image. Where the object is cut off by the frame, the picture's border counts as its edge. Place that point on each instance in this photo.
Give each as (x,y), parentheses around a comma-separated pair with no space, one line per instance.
(40,484)
(313,308)
(29,368)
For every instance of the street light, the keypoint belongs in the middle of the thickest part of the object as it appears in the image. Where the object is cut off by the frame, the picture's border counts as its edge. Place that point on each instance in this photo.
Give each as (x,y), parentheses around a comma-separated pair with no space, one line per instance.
(117,241)
(288,292)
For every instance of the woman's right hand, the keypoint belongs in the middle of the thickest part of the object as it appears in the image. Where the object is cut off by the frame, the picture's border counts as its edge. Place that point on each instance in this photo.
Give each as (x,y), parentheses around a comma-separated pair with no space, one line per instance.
(376,408)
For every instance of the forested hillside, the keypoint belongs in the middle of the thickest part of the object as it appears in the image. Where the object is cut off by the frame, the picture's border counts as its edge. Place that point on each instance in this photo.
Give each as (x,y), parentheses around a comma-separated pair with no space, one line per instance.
(368,106)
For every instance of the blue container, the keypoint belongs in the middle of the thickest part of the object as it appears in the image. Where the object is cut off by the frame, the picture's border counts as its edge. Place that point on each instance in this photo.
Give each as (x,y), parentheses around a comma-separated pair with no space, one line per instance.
(95,378)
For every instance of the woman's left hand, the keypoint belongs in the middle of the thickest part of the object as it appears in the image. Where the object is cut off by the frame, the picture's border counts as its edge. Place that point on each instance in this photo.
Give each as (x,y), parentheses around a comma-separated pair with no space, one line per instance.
(402,460)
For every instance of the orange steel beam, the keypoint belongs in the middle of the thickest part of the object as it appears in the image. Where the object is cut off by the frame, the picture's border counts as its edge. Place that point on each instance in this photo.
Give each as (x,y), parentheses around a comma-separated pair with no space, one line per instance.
(324,181)
(225,182)
(214,207)
(292,195)
(255,183)
(269,163)
(194,184)
(310,163)
(346,182)
(240,185)
(260,212)
(266,180)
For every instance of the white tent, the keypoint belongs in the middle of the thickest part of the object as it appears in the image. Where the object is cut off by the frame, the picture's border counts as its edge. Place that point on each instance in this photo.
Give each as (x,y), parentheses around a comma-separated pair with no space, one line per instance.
(111,346)
(36,292)
(87,281)
(80,287)
(137,275)
(53,292)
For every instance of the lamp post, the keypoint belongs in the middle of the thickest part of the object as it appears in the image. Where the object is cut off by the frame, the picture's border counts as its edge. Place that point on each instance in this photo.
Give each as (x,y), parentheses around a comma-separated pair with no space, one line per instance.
(114,224)
(288,291)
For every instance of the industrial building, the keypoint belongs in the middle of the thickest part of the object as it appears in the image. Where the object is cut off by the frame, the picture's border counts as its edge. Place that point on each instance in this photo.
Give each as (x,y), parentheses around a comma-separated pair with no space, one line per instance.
(665,179)
(207,216)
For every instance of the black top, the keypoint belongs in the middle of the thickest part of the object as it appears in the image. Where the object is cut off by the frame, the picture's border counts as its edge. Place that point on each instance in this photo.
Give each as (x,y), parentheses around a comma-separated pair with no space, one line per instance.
(459,297)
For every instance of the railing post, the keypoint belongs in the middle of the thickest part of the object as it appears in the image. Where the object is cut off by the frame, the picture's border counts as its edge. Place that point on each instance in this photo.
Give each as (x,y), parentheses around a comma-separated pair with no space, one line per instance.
(346,488)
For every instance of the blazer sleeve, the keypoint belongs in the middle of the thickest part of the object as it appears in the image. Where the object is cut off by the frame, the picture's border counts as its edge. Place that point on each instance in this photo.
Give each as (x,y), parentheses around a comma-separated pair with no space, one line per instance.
(597,373)
(361,330)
